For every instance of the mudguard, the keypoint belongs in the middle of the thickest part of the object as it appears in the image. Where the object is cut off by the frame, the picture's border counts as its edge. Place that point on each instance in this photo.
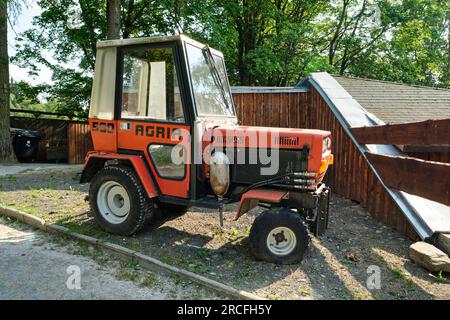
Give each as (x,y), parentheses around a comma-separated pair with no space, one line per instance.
(94,161)
(251,199)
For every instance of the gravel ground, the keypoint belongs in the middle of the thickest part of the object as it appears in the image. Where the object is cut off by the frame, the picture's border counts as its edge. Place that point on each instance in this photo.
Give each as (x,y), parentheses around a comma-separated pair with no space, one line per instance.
(337,265)
(36,265)
(11,169)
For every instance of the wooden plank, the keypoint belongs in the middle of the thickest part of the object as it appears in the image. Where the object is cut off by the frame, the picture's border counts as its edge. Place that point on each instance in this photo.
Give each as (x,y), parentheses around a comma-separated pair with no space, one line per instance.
(424,133)
(378,201)
(80,142)
(364,177)
(415,176)
(392,218)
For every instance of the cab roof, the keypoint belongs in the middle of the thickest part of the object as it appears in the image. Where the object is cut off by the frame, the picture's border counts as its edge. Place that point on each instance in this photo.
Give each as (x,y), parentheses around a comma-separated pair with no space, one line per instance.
(146,40)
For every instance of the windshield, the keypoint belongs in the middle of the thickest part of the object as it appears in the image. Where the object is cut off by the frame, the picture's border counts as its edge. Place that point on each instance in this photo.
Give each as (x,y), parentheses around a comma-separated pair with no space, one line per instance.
(210,84)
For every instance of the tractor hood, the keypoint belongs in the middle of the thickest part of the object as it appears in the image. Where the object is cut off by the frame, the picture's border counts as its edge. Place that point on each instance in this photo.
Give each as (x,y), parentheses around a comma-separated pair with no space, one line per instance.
(264,137)
(316,142)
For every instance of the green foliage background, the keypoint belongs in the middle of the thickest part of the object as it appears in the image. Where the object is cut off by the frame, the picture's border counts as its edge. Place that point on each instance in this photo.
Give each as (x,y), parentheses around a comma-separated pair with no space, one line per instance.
(265,42)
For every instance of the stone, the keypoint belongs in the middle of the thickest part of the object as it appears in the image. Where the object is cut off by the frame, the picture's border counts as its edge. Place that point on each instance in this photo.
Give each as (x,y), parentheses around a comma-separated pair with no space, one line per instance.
(444,242)
(429,257)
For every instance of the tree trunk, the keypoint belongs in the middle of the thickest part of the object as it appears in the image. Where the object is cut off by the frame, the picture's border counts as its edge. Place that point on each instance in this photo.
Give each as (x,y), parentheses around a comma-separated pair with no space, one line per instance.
(113,19)
(6,149)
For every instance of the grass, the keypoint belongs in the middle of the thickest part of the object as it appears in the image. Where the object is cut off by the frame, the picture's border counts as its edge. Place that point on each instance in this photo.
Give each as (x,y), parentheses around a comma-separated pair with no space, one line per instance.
(399,274)
(89,230)
(132,245)
(440,277)
(8,178)
(126,274)
(246,271)
(202,253)
(247,231)
(305,291)
(234,233)
(150,280)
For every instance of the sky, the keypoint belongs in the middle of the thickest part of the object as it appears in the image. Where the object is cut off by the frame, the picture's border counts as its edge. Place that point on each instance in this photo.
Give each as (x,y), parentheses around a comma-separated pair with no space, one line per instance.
(22,23)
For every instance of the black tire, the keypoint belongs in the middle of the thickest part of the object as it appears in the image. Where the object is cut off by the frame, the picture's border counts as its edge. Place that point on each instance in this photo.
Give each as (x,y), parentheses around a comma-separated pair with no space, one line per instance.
(279,218)
(141,208)
(172,209)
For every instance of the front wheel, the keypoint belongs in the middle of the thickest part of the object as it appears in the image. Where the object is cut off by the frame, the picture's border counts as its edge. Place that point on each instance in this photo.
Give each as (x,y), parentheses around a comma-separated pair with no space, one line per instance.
(279,235)
(118,200)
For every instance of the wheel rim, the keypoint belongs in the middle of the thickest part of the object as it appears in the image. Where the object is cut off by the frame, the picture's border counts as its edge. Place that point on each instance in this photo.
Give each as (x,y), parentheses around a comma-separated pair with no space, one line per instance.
(281,241)
(113,202)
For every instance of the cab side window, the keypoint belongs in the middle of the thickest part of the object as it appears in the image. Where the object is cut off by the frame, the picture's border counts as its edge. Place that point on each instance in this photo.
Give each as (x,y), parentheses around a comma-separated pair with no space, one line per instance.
(150,88)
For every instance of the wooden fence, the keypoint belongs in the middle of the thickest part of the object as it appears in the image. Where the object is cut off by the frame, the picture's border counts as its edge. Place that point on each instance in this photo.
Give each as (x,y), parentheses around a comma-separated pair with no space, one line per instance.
(271,108)
(61,140)
(427,179)
(442,156)
(350,176)
(80,142)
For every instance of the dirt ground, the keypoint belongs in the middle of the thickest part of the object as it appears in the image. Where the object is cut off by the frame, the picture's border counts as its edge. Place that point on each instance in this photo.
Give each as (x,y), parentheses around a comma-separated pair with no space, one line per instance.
(337,265)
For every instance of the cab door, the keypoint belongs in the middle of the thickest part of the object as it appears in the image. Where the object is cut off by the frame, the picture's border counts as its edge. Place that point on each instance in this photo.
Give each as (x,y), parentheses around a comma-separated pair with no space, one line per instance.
(152,120)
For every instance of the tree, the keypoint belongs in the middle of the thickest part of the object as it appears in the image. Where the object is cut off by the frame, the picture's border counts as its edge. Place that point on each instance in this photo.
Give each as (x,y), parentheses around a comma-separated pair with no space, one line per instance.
(265,42)
(357,27)
(6,149)
(417,51)
(70,29)
(113,18)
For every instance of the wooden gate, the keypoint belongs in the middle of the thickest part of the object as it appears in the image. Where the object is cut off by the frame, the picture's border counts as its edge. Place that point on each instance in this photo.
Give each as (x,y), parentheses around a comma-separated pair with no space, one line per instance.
(80,142)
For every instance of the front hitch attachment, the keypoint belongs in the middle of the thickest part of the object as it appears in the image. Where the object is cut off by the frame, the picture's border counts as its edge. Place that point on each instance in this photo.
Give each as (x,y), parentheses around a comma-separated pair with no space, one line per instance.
(220,202)
(322,212)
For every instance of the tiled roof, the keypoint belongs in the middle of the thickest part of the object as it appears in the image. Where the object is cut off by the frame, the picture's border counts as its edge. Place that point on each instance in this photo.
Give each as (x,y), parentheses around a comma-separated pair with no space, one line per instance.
(398,103)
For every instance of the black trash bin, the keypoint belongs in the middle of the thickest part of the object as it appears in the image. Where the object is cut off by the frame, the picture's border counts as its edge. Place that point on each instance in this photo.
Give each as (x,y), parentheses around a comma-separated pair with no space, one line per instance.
(25,143)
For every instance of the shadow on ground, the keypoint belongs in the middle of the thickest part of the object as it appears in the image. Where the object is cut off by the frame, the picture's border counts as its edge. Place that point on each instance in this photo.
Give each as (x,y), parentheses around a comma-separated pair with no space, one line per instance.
(336,266)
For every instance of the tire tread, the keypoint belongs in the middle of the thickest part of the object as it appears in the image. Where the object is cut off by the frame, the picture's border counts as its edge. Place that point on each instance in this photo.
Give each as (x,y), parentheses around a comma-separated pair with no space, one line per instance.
(143,214)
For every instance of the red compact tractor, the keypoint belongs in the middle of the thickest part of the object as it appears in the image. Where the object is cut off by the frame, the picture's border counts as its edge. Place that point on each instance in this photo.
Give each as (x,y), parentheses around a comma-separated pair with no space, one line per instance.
(166,135)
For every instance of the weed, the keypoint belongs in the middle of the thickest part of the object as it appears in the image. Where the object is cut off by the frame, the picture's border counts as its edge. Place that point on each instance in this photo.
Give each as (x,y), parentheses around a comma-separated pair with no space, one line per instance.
(168,260)
(399,274)
(234,233)
(245,272)
(150,280)
(202,253)
(247,231)
(133,246)
(440,277)
(127,274)
(304,291)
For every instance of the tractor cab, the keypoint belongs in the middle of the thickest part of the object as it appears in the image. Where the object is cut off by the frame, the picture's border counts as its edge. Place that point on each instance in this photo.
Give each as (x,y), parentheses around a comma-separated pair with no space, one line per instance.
(166,135)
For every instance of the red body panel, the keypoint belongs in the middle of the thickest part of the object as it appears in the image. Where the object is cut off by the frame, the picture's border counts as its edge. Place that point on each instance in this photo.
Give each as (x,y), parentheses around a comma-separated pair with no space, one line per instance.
(138,164)
(281,138)
(104,134)
(111,136)
(138,135)
(251,198)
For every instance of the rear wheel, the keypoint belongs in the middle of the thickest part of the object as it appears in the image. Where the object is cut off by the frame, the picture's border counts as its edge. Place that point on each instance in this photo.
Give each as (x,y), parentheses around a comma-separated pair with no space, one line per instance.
(279,235)
(118,200)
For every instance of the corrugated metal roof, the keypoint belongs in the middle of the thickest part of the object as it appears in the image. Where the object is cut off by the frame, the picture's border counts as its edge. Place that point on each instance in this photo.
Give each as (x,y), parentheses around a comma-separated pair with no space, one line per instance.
(395,102)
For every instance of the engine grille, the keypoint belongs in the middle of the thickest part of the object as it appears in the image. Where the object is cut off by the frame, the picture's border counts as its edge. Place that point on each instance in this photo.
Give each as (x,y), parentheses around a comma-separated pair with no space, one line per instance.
(248,173)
